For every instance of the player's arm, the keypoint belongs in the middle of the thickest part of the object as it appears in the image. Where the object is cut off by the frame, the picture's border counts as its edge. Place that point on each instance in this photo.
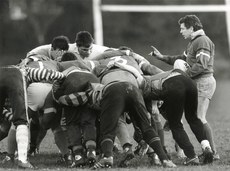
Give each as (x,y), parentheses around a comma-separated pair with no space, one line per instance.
(38,75)
(145,65)
(7,114)
(32,58)
(203,56)
(149,69)
(75,99)
(111,53)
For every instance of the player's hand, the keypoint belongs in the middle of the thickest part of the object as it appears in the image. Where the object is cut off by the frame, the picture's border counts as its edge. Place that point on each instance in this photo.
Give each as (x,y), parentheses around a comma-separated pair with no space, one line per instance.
(156,53)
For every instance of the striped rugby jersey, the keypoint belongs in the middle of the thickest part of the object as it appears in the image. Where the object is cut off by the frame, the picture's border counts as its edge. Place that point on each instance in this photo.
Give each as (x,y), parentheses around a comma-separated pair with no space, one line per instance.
(38,75)
(7,114)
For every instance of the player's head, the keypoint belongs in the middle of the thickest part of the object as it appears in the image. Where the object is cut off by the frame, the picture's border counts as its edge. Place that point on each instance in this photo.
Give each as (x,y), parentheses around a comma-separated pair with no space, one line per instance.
(84,42)
(189,24)
(60,43)
(59,46)
(68,56)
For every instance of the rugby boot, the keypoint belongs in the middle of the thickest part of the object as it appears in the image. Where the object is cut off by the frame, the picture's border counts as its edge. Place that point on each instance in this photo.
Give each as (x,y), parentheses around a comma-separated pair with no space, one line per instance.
(128,155)
(216,156)
(8,161)
(91,157)
(137,149)
(25,165)
(168,164)
(192,161)
(105,162)
(79,161)
(208,155)
(179,152)
(68,160)
(141,149)
(154,159)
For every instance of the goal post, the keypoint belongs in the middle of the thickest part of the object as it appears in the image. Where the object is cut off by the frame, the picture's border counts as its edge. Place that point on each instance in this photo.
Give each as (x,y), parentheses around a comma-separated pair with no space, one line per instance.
(98,8)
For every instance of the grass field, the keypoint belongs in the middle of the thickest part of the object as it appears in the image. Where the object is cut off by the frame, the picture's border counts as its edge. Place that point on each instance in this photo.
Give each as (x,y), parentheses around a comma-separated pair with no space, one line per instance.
(218,116)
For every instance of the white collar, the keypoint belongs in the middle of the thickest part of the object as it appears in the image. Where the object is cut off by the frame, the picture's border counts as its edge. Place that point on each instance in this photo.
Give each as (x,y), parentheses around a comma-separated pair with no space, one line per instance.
(197,33)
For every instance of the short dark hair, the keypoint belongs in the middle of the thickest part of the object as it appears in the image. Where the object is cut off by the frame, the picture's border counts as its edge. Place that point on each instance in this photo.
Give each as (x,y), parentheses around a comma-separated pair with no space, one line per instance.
(191,20)
(68,56)
(60,42)
(84,38)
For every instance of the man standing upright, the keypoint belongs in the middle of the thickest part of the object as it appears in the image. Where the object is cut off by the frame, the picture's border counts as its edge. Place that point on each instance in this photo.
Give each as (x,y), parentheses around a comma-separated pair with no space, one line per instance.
(199,57)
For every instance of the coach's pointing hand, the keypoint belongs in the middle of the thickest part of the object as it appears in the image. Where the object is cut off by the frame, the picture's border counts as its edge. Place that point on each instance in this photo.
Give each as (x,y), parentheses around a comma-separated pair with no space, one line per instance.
(156,53)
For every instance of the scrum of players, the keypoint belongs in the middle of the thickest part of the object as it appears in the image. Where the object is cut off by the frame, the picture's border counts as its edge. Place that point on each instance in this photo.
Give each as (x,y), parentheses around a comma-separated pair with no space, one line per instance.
(87,94)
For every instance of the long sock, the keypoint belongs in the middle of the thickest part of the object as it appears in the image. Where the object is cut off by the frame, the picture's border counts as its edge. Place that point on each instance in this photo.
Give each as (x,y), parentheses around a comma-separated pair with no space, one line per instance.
(11,141)
(157,147)
(107,147)
(161,135)
(34,131)
(160,132)
(60,137)
(41,136)
(208,131)
(22,138)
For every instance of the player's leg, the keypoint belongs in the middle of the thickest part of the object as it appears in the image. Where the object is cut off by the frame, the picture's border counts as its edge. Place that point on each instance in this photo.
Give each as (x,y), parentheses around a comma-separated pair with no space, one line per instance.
(109,116)
(88,119)
(173,95)
(139,115)
(18,100)
(125,140)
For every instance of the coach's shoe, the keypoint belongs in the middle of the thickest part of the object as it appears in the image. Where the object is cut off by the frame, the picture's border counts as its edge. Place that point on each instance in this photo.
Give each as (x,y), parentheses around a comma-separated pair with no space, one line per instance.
(141,149)
(154,159)
(208,155)
(168,164)
(105,162)
(91,157)
(192,161)
(25,165)
(216,156)
(128,155)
